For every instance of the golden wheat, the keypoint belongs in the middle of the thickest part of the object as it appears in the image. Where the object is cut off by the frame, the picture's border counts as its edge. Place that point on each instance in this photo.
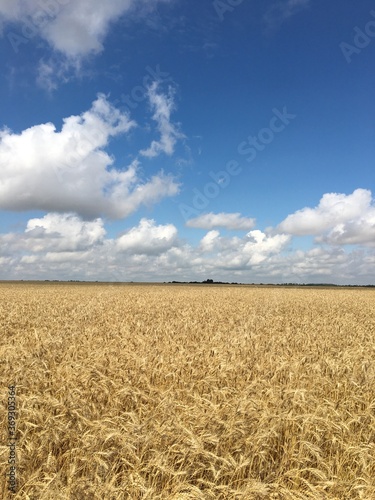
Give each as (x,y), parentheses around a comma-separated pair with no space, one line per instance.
(189,392)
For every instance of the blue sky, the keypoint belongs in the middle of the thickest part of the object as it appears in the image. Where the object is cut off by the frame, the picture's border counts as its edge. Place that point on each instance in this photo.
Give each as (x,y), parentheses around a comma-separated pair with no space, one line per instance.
(168,140)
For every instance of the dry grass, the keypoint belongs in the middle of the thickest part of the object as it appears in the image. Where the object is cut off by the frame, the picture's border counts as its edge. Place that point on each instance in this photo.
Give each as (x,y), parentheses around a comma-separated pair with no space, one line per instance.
(189,392)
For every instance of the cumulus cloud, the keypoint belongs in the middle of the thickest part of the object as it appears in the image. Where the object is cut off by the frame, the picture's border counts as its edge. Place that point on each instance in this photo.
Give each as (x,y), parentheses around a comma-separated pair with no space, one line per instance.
(260,245)
(74,28)
(148,238)
(338,219)
(53,234)
(162,105)
(63,232)
(358,232)
(64,246)
(70,171)
(231,221)
(209,241)
(242,253)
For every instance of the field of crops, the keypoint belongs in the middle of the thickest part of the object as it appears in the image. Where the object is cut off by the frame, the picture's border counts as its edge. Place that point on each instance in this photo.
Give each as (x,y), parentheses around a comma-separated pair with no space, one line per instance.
(188,392)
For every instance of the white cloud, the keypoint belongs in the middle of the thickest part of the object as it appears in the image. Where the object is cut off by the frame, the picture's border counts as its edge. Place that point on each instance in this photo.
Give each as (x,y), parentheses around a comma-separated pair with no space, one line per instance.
(66,257)
(63,246)
(338,219)
(51,73)
(70,170)
(242,253)
(9,10)
(209,241)
(63,232)
(231,221)
(260,245)
(53,234)
(358,232)
(75,28)
(162,105)
(46,76)
(148,238)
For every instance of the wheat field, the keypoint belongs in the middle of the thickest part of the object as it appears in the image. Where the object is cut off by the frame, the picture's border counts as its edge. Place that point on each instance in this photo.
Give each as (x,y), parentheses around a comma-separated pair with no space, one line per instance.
(189,392)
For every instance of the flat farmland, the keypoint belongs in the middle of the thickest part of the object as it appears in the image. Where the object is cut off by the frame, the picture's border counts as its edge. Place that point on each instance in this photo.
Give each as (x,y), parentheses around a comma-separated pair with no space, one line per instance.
(188,392)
